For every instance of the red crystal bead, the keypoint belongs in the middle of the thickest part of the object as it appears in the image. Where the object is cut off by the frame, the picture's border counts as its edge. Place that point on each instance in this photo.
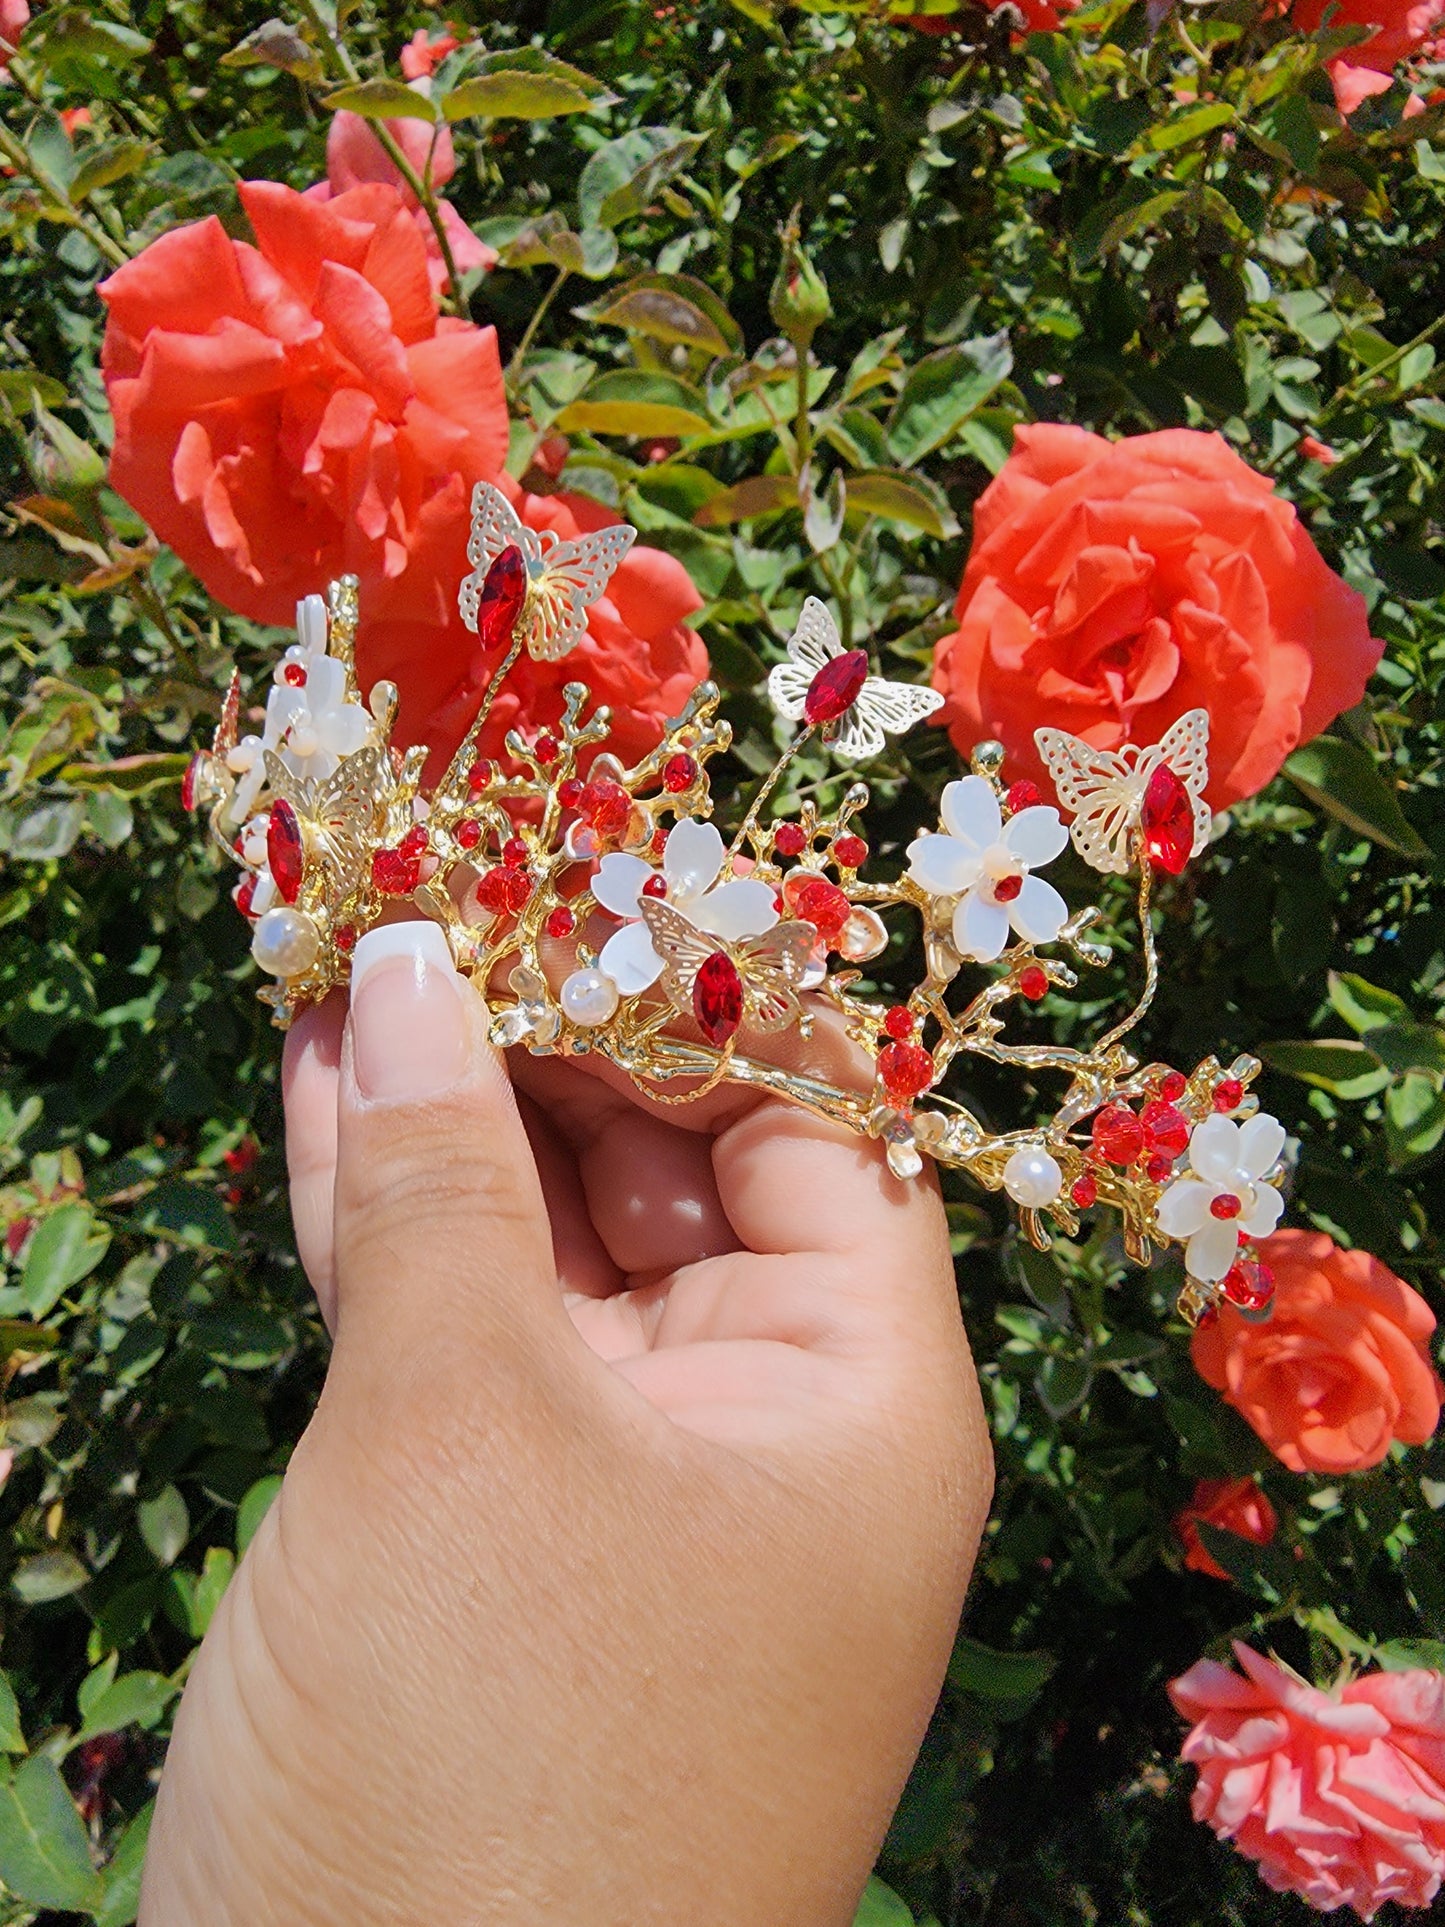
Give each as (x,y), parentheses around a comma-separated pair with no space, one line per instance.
(285,853)
(1033,983)
(1007,888)
(1084,1190)
(514,853)
(1022,795)
(788,839)
(1207,1319)
(1173,1084)
(395,873)
(1165,1129)
(1249,1285)
(415,841)
(906,1069)
(899,1021)
(850,851)
(606,806)
(480,774)
(824,906)
(679,773)
(294,673)
(344,937)
(469,833)
(518,888)
(1167,820)
(561,923)
(1224,1205)
(717,998)
(835,688)
(1117,1134)
(191,778)
(1228,1094)
(501,598)
(492,890)
(569,794)
(545,748)
(659,840)
(245,890)
(1159,1167)
(655,886)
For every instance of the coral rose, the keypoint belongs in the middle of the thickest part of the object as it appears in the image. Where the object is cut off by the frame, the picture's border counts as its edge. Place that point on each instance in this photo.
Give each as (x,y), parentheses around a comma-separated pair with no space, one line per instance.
(287,412)
(1039,16)
(1341,1367)
(1230,1505)
(1398,33)
(1114,585)
(422,55)
(1339,1796)
(14,15)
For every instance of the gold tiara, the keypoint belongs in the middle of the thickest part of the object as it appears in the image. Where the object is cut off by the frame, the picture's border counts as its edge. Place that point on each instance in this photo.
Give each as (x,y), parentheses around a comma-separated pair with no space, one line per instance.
(596,907)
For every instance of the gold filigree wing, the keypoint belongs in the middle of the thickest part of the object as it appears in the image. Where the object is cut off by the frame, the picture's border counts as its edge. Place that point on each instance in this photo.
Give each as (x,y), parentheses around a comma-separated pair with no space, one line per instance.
(228,728)
(344,809)
(573,576)
(772,967)
(1101,789)
(882,709)
(812,645)
(1184,746)
(683,948)
(495,526)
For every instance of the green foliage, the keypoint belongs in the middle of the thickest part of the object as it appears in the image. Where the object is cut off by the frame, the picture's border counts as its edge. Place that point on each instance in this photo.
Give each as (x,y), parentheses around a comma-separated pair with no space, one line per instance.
(1150,218)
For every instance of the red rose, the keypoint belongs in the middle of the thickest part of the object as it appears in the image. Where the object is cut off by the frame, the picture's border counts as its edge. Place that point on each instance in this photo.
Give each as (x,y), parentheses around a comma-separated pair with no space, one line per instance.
(1341,1367)
(1039,16)
(422,55)
(14,14)
(1400,33)
(1230,1505)
(287,412)
(1114,585)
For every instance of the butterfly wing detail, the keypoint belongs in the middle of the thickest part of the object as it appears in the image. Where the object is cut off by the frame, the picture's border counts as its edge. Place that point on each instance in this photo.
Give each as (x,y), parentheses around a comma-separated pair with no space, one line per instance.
(683,948)
(573,576)
(882,707)
(812,645)
(228,728)
(1184,746)
(495,526)
(1101,789)
(343,809)
(772,967)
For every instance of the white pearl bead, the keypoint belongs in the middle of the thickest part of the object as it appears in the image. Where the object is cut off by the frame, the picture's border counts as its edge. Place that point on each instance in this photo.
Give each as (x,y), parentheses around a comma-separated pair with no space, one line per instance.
(303,741)
(1032,1177)
(589,997)
(285,942)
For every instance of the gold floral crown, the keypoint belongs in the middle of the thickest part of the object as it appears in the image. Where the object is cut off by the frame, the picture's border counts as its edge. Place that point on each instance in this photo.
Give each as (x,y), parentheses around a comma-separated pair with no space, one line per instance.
(600,910)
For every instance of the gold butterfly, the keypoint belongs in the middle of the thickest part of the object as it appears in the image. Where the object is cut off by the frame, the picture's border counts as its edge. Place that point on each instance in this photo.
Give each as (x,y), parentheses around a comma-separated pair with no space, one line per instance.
(725,984)
(880,709)
(1104,789)
(564,578)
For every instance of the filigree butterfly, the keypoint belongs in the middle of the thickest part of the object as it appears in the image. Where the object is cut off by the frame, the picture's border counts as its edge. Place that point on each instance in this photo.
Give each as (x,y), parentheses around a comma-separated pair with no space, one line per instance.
(829,687)
(1104,789)
(723,984)
(563,579)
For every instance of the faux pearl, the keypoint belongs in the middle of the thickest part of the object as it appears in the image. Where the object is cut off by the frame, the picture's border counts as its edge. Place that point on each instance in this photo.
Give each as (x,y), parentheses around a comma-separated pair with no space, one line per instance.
(285,942)
(303,741)
(589,997)
(1032,1177)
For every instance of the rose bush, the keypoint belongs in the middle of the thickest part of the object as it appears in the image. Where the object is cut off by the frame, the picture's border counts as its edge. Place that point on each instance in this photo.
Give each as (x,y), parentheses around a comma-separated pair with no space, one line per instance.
(1229,1505)
(1399,32)
(1118,584)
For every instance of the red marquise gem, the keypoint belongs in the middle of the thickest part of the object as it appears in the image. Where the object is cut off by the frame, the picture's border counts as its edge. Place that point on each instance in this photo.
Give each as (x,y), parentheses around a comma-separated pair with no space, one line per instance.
(1118,1135)
(480,774)
(492,890)
(1084,1190)
(245,890)
(545,748)
(514,853)
(1033,983)
(284,851)
(1158,1167)
(1165,1129)
(191,778)
(500,599)
(1167,820)
(1249,1285)
(1022,795)
(906,1069)
(788,839)
(850,851)
(717,998)
(898,1022)
(835,688)
(1228,1095)
(569,794)
(679,773)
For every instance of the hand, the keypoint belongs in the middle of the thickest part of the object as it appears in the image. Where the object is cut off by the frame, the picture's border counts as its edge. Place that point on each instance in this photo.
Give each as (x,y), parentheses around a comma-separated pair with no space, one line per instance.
(614,1578)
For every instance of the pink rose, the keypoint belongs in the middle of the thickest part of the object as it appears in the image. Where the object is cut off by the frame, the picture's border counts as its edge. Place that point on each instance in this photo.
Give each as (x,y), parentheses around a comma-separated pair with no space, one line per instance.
(1340,1795)
(13,16)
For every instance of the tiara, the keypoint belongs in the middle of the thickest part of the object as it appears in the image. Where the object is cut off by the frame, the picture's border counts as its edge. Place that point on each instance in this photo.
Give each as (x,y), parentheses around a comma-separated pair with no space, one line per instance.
(596,907)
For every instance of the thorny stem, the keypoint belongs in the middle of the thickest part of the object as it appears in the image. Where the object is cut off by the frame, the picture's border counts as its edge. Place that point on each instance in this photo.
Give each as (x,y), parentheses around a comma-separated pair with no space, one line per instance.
(515,365)
(770,784)
(100,239)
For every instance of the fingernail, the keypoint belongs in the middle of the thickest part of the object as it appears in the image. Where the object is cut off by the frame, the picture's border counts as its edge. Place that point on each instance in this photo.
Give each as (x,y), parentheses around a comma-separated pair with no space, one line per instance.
(409,1029)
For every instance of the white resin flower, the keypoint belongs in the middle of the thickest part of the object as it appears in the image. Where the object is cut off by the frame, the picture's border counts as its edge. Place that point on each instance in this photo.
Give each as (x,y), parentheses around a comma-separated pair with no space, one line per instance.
(1224,1196)
(691,863)
(311,722)
(988,865)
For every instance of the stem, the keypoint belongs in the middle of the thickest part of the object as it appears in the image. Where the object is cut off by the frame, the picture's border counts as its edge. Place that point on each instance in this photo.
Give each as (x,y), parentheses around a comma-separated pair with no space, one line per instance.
(103,243)
(769,785)
(1151,952)
(514,366)
(462,760)
(1348,392)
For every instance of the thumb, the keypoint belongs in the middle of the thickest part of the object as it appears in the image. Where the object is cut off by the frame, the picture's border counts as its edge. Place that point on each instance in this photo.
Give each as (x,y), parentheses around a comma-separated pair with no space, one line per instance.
(443,1246)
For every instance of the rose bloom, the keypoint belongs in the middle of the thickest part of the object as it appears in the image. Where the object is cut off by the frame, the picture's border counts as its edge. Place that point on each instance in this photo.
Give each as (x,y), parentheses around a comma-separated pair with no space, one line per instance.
(13,17)
(1230,1505)
(1339,1370)
(1400,32)
(1339,1796)
(1039,16)
(1114,585)
(421,56)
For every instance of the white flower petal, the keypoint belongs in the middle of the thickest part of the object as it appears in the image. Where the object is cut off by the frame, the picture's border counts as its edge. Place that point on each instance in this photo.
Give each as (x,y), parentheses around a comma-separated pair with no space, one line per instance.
(1212,1250)
(940,865)
(283,706)
(1038,912)
(345,730)
(629,959)
(1035,835)
(1184,1208)
(692,858)
(980,928)
(1261,1139)
(1214,1150)
(971,813)
(1264,1214)
(325,685)
(618,881)
(740,908)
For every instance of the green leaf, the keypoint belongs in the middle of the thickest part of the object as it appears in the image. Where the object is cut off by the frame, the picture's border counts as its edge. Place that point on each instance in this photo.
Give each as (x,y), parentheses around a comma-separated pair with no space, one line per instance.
(628,401)
(122,1874)
(672,309)
(1430,162)
(1364,1006)
(135,1699)
(990,1674)
(1290,124)
(21,386)
(908,501)
(1339,1065)
(1188,126)
(1414,1117)
(128,775)
(1063,1384)
(758,495)
(165,1524)
(1404,1655)
(1344,779)
(189,1214)
(881,1907)
(216,1573)
(253,1509)
(66,1247)
(1410,1047)
(107,162)
(824,512)
(44,1854)
(12,1740)
(47,1576)
(549,242)
(381,99)
(1103,228)
(66,33)
(942,391)
(524,84)
(624,175)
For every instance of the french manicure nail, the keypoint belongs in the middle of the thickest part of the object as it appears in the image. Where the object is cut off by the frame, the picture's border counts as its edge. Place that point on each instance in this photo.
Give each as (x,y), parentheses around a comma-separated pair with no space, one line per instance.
(410,1034)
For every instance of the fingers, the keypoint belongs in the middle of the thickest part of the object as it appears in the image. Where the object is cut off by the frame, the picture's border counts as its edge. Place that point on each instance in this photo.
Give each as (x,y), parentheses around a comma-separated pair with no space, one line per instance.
(310,1080)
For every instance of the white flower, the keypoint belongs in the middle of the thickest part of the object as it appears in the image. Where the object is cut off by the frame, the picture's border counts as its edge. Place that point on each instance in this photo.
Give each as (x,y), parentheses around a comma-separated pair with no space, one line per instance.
(987,864)
(691,863)
(1224,1196)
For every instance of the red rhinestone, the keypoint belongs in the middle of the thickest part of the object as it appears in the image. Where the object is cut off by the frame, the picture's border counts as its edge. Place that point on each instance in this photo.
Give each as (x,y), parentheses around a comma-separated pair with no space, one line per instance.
(1165,1129)
(1084,1190)
(1167,820)
(1022,795)
(717,998)
(514,853)
(415,841)
(1173,1084)
(395,873)
(907,1070)
(1249,1285)
(1159,1167)
(284,851)
(1225,1205)
(824,906)
(479,775)
(1118,1135)
(1007,888)
(655,886)
(1228,1094)
(835,688)
(561,923)
(191,778)
(245,890)
(492,890)
(344,937)
(294,673)
(469,833)
(1033,983)
(659,840)
(569,794)
(679,773)
(788,839)
(1207,1319)
(899,1022)
(606,806)
(518,887)
(545,748)
(850,852)
(501,598)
